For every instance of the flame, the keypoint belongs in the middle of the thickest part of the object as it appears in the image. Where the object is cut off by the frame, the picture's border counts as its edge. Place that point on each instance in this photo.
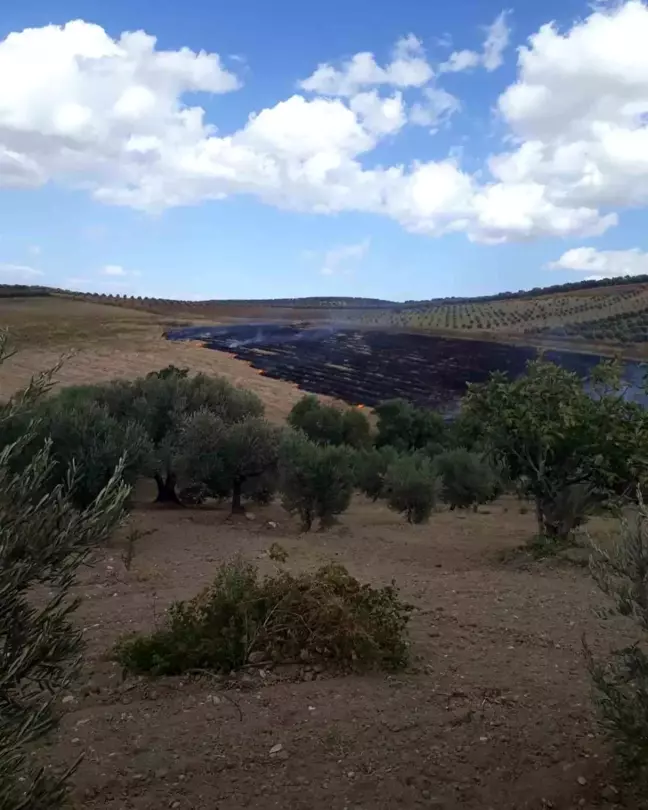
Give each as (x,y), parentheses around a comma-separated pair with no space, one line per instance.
(359,407)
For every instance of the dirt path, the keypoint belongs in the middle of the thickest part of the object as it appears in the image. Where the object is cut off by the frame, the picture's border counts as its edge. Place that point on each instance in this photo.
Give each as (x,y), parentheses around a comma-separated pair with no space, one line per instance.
(494,713)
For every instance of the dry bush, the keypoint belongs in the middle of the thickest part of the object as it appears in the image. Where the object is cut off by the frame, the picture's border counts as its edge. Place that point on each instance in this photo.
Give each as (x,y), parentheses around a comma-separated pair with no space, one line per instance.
(325,616)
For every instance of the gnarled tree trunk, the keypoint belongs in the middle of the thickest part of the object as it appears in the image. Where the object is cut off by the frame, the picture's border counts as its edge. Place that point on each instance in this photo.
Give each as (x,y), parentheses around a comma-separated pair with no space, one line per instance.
(167,489)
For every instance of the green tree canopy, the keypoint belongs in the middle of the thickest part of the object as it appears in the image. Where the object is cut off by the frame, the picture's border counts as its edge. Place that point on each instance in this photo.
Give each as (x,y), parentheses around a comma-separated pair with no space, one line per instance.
(557,440)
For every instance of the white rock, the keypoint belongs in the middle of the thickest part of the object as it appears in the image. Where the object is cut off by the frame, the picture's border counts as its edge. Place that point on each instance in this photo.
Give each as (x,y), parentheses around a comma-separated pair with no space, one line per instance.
(276,748)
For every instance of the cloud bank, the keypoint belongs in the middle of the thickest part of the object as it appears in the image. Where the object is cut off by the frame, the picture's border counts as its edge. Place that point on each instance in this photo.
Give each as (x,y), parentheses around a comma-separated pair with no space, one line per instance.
(111,116)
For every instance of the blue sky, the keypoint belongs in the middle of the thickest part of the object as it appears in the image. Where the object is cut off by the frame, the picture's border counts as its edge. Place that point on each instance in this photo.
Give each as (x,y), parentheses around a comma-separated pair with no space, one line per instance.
(399,150)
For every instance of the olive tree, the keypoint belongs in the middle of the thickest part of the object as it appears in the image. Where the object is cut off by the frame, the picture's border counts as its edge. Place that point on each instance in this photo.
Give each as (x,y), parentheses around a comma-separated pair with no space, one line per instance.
(411,487)
(329,425)
(225,457)
(467,479)
(44,538)
(371,467)
(86,434)
(159,402)
(315,481)
(407,428)
(566,448)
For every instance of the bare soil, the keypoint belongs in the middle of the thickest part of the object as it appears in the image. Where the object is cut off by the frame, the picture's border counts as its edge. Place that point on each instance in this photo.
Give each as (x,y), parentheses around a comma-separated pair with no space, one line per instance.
(493,713)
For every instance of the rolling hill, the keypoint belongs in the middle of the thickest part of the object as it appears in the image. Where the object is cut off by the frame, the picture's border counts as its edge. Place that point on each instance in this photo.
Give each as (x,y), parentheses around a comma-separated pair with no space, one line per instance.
(610,313)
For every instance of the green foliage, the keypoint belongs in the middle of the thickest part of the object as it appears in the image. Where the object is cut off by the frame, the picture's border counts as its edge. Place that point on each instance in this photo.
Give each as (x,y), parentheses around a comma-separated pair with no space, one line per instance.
(550,435)
(356,430)
(621,683)
(85,434)
(411,487)
(328,425)
(466,430)
(325,616)
(43,541)
(407,428)
(159,403)
(467,479)
(315,481)
(370,468)
(224,457)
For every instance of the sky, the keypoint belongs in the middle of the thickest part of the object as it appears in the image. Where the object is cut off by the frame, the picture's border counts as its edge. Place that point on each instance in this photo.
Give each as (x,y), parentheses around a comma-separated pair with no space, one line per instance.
(399,150)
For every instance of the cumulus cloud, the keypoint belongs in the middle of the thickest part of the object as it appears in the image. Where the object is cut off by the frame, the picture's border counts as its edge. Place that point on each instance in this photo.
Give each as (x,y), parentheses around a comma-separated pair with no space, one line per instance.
(491,57)
(344,258)
(112,115)
(579,111)
(409,68)
(437,107)
(603,263)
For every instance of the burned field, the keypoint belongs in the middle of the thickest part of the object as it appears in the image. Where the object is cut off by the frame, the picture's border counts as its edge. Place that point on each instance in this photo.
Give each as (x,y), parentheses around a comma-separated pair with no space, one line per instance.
(370,366)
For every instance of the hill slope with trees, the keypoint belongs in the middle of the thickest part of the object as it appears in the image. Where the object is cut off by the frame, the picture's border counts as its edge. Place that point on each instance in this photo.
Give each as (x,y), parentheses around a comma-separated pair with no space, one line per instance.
(604,312)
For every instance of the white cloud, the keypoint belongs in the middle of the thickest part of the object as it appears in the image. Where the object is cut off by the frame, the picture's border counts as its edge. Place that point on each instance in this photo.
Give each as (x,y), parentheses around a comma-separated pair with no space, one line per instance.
(492,55)
(112,270)
(379,116)
(497,39)
(18,274)
(436,109)
(579,112)
(81,101)
(459,61)
(603,263)
(344,258)
(409,68)
(111,114)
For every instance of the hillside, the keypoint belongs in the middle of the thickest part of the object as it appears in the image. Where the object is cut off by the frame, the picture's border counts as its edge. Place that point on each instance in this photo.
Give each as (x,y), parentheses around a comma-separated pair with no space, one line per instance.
(607,313)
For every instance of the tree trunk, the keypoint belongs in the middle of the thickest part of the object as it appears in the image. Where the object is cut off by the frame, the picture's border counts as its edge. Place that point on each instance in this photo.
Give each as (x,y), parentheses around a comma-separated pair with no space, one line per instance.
(167,489)
(540,517)
(237,506)
(307,520)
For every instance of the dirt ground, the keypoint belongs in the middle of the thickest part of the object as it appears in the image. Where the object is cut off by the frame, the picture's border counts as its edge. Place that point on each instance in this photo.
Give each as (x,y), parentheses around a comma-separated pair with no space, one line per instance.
(493,714)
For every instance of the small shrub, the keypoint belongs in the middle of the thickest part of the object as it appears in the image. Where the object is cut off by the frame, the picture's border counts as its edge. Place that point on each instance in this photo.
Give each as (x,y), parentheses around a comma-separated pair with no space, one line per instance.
(411,487)
(326,616)
(169,371)
(315,481)
(466,478)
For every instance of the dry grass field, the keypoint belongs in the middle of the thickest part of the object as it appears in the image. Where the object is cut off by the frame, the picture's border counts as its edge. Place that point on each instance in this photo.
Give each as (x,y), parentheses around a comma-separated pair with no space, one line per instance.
(107,342)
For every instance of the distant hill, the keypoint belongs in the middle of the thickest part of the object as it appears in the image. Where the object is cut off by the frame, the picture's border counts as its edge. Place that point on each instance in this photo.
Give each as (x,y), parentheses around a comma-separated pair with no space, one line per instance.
(605,312)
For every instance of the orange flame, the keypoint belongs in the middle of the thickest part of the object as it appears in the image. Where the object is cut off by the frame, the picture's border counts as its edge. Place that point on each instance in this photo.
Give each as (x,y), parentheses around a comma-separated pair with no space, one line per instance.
(359,407)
